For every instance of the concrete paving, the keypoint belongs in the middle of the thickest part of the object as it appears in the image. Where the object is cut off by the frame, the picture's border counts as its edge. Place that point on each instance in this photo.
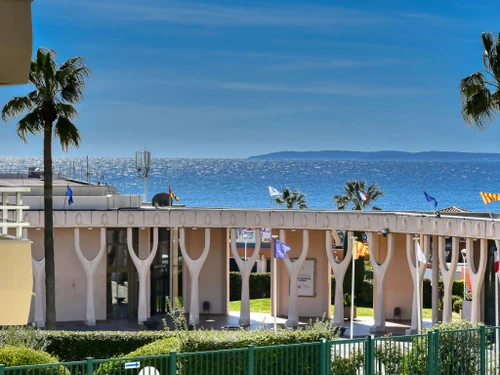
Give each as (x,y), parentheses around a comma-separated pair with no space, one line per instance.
(362,325)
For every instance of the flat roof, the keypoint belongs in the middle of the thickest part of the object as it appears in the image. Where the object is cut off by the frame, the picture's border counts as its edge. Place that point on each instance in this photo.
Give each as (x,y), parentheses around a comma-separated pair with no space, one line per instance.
(11,182)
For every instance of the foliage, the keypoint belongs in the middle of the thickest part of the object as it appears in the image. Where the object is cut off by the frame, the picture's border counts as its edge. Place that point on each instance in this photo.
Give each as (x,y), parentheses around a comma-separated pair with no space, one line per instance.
(21,356)
(458,288)
(457,304)
(260,285)
(48,110)
(390,356)
(290,199)
(75,346)
(342,202)
(479,92)
(23,336)
(350,365)
(363,295)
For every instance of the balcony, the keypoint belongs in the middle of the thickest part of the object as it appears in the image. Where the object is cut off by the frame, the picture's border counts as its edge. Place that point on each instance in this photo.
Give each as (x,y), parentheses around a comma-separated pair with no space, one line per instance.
(15,41)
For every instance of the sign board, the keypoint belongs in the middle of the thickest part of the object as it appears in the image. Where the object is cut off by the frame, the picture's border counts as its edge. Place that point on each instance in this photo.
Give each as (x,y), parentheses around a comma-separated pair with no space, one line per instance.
(149,370)
(129,365)
(306,279)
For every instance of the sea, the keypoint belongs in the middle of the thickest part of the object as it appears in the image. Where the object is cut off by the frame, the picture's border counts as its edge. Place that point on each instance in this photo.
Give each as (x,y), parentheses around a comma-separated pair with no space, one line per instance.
(243,183)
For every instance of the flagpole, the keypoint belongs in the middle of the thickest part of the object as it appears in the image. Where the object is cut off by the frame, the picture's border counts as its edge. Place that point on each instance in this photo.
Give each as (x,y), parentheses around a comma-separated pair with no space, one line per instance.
(417,268)
(273,250)
(491,216)
(353,251)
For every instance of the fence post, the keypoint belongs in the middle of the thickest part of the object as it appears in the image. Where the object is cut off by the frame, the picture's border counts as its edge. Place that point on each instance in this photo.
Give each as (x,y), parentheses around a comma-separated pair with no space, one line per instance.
(369,355)
(2,369)
(173,363)
(322,357)
(482,363)
(90,365)
(251,359)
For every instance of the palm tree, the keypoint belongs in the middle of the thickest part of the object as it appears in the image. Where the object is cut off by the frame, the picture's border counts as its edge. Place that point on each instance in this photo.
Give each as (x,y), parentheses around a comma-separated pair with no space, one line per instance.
(479,91)
(350,196)
(50,112)
(292,199)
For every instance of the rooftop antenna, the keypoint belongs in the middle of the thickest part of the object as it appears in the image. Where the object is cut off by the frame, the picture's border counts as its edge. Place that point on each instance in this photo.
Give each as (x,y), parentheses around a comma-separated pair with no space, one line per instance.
(142,165)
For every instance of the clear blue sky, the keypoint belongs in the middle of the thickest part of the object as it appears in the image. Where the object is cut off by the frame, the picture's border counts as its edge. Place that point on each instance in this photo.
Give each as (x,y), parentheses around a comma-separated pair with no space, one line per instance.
(233,79)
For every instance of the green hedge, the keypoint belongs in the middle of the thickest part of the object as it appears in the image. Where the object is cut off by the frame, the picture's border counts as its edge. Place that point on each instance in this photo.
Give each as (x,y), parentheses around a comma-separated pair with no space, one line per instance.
(22,356)
(364,298)
(260,285)
(74,346)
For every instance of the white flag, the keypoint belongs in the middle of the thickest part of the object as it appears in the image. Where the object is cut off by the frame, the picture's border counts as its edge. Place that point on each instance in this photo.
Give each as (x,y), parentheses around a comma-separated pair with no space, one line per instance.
(420,254)
(273,192)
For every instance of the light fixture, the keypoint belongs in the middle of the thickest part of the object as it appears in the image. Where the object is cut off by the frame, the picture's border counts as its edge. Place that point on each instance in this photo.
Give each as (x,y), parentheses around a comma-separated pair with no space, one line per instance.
(38,228)
(385,232)
(194,228)
(89,228)
(293,229)
(142,228)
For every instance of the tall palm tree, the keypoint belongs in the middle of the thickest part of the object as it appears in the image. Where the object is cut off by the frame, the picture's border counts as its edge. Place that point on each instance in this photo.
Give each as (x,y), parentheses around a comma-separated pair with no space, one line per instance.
(50,112)
(290,199)
(479,91)
(350,196)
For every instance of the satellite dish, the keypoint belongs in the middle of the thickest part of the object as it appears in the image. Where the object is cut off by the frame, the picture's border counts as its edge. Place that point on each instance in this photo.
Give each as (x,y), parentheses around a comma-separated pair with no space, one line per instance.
(162,199)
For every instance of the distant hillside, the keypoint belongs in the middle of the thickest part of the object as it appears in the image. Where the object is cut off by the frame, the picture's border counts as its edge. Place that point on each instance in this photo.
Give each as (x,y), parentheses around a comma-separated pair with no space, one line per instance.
(380,155)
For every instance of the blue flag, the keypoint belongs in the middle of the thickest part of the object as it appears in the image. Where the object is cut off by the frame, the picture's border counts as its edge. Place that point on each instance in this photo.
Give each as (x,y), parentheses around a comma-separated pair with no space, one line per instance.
(431,199)
(69,194)
(280,249)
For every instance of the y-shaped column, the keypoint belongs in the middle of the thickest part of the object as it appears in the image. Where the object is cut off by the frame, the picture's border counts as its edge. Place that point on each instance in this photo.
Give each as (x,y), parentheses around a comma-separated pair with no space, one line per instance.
(476,275)
(339,270)
(245,268)
(194,267)
(90,268)
(293,269)
(39,281)
(379,272)
(448,273)
(410,254)
(143,267)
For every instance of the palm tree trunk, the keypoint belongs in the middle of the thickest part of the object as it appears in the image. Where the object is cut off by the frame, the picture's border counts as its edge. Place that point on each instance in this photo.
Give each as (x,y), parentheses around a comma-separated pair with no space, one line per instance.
(50,282)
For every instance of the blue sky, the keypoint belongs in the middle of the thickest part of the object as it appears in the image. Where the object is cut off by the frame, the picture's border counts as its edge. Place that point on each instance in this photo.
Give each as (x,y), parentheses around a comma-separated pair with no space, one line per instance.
(234,79)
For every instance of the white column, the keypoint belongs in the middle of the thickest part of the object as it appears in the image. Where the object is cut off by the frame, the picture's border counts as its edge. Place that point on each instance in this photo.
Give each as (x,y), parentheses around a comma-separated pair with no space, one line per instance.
(339,270)
(448,273)
(410,255)
(143,267)
(293,269)
(476,275)
(435,278)
(245,268)
(379,272)
(194,267)
(90,268)
(39,284)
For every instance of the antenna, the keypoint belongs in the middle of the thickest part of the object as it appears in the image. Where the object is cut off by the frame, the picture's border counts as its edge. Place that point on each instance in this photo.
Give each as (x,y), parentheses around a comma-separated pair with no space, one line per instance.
(142,165)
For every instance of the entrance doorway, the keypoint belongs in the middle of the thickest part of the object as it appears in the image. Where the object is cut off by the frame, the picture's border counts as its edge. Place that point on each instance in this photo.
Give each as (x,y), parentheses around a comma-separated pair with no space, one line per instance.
(160,273)
(121,275)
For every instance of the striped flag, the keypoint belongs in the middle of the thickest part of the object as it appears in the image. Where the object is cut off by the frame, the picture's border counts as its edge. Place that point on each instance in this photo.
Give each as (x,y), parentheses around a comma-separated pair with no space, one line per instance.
(172,195)
(489,197)
(361,250)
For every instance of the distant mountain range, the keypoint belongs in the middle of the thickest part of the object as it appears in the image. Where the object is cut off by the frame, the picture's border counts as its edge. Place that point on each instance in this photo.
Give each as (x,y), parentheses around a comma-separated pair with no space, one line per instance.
(380,155)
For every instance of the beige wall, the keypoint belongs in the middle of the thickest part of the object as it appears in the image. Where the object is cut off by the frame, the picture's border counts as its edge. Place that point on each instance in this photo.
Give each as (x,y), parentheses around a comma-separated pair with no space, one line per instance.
(71,282)
(306,306)
(398,282)
(214,275)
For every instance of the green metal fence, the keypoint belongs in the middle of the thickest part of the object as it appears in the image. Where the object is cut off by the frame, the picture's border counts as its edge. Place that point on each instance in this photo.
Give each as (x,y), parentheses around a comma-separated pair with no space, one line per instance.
(461,352)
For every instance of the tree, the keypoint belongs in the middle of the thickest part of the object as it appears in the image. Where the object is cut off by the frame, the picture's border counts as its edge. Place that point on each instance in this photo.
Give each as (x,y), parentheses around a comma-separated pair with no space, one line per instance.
(290,199)
(479,92)
(50,112)
(342,202)
(350,196)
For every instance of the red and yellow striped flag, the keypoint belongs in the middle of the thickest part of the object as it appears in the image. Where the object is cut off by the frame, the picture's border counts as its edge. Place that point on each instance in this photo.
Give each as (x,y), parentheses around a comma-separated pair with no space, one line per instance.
(361,250)
(489,197)
(172,195)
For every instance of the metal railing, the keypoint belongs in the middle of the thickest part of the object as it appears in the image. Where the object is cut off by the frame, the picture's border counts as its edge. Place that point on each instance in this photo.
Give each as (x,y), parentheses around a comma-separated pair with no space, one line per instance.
(461,352)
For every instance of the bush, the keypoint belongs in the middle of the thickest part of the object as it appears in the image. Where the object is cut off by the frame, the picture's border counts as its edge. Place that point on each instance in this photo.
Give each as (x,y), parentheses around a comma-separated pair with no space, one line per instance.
(364,298)
(260,285)
(24,336)
(75,346)
(457,303)
(458,288)
(21,356)
(350,365)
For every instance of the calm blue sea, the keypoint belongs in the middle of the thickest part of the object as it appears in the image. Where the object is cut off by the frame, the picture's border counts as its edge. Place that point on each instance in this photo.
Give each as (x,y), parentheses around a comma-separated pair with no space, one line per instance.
(242,183)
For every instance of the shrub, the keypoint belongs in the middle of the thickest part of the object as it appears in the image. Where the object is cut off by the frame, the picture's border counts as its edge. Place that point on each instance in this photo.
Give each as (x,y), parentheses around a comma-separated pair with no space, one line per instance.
(25,336)
(350,365)
(22,356)
(260,285)
(75,346)
(458,288)
(457,303)
(389,357)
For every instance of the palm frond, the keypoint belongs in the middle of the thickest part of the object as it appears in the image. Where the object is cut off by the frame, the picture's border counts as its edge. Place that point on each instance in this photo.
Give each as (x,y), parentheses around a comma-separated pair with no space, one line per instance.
(488,41)
(71,76)
(31,123)
(66,110)
(478,109)
(15,107)
(67,133)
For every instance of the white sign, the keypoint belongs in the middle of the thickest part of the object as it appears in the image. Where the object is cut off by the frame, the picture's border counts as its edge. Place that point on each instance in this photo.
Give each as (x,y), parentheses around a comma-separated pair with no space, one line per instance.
(149,370)
(306,279)
(129,365)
